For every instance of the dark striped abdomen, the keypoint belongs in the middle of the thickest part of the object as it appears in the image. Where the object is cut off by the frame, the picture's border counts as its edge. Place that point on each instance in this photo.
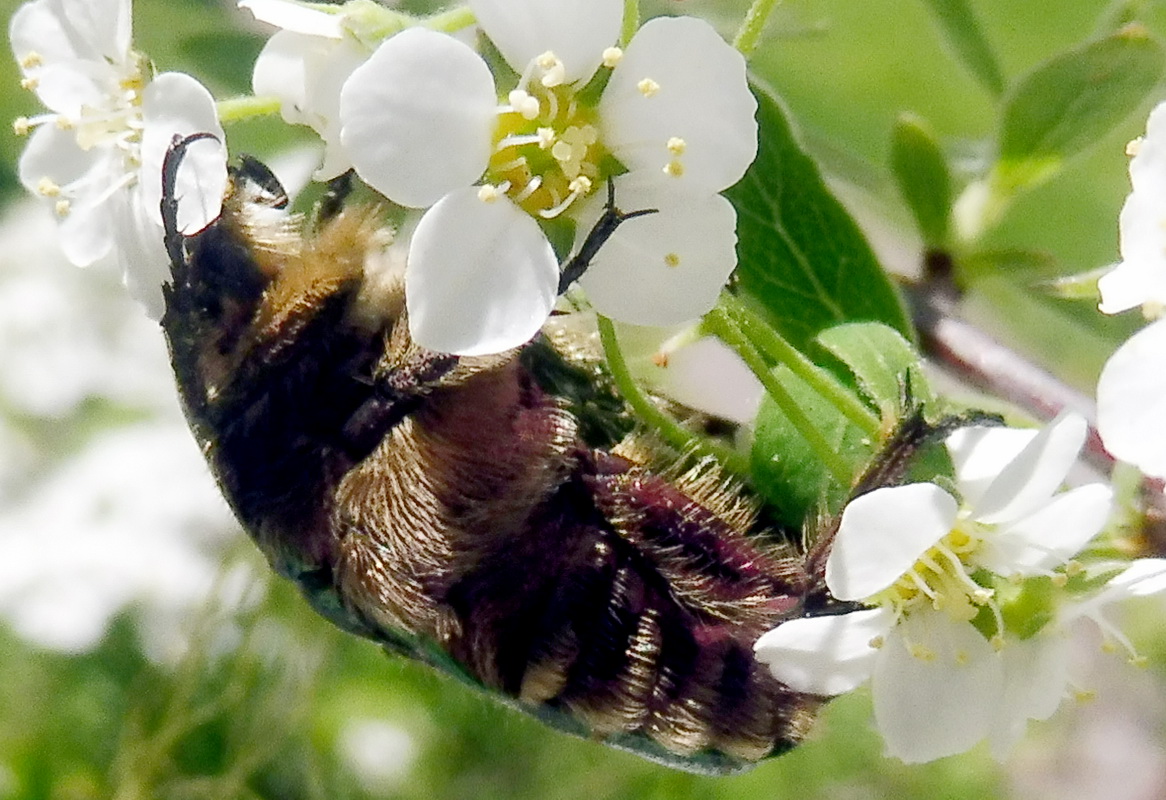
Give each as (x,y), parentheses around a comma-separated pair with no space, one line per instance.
(633,606)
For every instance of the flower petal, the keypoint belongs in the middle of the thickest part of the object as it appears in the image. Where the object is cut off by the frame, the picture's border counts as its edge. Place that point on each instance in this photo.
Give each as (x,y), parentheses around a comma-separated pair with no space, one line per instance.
(1131,401)
(280,71)
(87,37)
(1036,672)
(1144,577)
(576,31)
(53,154)
(1050,536)
(941,704)
(710,377)
(1141,276)
(663,268)
(1029,480)
(173,104)
(979,453)
(702,99)
(417,117)
(825,655)
(883,533)
(307,74)
(1148,166)
(295,17)
(481,277)
(141,252)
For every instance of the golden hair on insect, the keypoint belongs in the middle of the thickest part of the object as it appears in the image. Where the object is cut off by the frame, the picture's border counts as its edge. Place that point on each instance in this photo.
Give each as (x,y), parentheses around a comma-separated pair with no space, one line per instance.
(480,513)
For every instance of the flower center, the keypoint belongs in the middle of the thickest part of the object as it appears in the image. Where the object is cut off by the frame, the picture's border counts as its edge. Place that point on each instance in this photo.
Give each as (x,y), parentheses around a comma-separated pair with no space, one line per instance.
(941,578)
(547,152)
(113,121)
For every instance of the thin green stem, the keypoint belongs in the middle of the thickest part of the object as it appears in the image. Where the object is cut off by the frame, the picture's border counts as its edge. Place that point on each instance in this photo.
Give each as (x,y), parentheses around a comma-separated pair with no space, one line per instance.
(753,26)
(720,323)
(631,21)
(672,432)
(771,343)
(451,21)
(246,107)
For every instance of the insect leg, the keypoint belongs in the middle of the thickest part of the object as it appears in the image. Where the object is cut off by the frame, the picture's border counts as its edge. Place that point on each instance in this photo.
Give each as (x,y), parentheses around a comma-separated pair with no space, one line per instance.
(603,229)
(174,238)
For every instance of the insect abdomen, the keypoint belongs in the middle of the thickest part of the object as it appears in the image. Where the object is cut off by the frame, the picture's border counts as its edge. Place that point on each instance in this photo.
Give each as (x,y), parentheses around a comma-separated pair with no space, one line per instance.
(628,604)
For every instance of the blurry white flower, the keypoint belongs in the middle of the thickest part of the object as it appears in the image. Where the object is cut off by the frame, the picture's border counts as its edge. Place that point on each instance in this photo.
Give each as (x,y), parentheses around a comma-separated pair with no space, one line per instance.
(1140,278)
(97,156)
(93,522)
(917,558)
(1131,401)
(1131,392)
(378,752)
(68,338)
(422,123)
(133,518)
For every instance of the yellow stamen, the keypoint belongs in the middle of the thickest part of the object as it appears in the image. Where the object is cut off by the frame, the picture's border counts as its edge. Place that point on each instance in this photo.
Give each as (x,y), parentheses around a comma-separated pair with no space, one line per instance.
(62,208)
(554,71)
(648,87)
(612,56)
(677,146)
(672,260)
(522,102)
(489,193)
(674,169)
(47,187)
(562,151)
(21,126)
(29,83)
(580,185)
(922,653)
(31,59)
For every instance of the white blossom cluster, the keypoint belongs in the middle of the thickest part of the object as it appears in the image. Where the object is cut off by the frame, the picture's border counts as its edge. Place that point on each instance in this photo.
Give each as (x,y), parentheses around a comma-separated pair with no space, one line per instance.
(935,581)
(422,119)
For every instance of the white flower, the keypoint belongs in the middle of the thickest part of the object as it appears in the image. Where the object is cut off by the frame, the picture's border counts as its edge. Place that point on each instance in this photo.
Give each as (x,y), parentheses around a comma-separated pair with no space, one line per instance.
(304,65)
(423,124)
(1131,392)
(1140,278)
(1131,401)
(915,556)
(97,157)
(1037,669)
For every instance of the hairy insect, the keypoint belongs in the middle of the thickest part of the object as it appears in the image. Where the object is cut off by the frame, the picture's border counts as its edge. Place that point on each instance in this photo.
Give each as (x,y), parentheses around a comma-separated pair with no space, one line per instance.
(469,511)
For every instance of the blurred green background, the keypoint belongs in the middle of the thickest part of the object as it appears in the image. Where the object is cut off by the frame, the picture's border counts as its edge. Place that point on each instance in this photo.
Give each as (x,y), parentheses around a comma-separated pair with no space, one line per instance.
(259,698)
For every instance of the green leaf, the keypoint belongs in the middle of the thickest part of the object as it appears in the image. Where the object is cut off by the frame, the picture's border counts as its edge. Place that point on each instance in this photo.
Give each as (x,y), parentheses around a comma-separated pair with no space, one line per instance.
(923,178)
(786,469)
(963,33)
(801,258)
(881,360)
(1073,100)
